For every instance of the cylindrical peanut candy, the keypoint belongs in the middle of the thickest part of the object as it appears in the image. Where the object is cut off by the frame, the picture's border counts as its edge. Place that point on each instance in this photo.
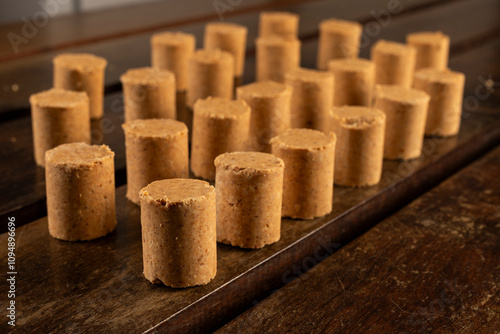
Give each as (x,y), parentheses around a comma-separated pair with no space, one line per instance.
(84,73)
(312,98)
(249,188)
(220,126)
(360,145)
(148,93)
(432,49)
(338,39)
(275,57)
(156,149)
(394,63)
(309,165)
(171,51)
(210,73)
(58,117)
(406,111)
(282,24)
(228,37)
(270,104)
(445,89)
(179,246)
(354,81)
(80,181)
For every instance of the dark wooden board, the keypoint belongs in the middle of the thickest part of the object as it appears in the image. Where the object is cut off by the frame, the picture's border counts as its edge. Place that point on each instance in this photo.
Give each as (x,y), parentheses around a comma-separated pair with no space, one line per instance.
(33,74)
(23,192)
(431,267)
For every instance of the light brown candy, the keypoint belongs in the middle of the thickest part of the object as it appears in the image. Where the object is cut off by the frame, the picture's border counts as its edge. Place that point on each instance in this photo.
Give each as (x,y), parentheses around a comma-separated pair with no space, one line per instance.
(210,73)
(309,165)
(249,191)
(148,93)
(282,24)
(394,63)
(270,103)
(312,98)
(228,37)
(156,149)
(219,126)
(432,49)
(354,81)
(360,145)
(275,57)
(82,72)
(80,181)
(338,39)
(445,89)
(58,117)
(406,112)
(179,246)
(171,51)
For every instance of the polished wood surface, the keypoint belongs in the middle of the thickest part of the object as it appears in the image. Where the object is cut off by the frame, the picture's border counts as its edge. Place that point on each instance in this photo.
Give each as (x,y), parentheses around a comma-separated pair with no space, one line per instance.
(431,267)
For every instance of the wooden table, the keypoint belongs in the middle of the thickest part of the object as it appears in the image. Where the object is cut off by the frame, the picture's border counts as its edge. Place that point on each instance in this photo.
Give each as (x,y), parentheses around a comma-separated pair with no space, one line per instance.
(98,286)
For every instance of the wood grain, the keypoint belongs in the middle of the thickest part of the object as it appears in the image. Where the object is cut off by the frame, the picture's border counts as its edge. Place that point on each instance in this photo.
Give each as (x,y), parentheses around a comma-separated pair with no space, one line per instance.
(431,267)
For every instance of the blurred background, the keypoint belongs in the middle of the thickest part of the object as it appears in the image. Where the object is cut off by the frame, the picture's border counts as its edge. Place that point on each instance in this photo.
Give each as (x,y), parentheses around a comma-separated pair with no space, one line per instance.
(12,11)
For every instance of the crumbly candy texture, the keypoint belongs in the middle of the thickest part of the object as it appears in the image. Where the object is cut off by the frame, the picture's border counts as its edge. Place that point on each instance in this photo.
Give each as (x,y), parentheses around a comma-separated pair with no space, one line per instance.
(360,145)
(178,232)
(308,177)
(80,182)
(156,149)
(249,188)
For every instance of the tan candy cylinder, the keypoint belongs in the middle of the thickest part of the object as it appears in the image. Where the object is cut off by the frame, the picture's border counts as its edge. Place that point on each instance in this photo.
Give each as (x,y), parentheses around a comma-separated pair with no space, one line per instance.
(360,145)
(219,126)
(210,73)
(171,51)
(228,37)
(445,89)
(80,181)
(406,112)
(148,93)
(58,117)
(309,165)
(156,149)
(270,103)
(275,57)
(282,24)
(432,49)
(337,39)
(394,63)
(354,81)
(249,191)
(312,98)
(179,246)
(83,73)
